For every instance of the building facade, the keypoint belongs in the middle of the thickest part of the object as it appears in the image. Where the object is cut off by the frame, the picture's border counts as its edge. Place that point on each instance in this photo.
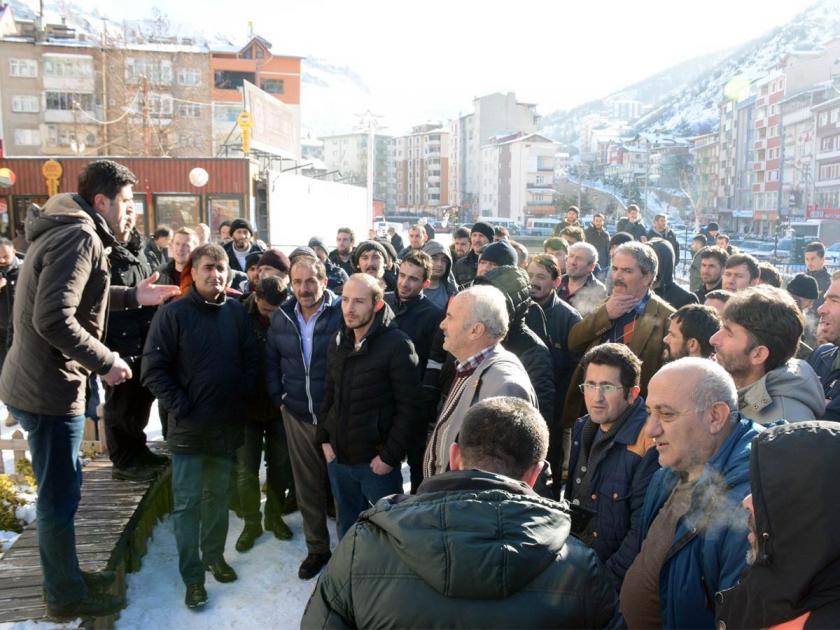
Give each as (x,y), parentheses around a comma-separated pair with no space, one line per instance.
(347,156)
(422,170)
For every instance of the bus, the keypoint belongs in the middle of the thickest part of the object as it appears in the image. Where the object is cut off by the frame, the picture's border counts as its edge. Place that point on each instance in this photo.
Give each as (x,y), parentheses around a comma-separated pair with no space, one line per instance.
(512,226)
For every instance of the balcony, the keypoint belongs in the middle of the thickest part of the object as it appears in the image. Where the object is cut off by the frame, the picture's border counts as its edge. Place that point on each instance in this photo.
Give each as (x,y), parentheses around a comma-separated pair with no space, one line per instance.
(828,155)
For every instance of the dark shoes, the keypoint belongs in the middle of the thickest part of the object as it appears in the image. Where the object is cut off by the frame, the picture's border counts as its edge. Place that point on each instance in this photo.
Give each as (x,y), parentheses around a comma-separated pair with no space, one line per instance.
(99,580)
(248,537)
(134,473)
(150,458)
(221,570)
(94,605)
(313,563)
(196,596)
(290,504)
(277,527)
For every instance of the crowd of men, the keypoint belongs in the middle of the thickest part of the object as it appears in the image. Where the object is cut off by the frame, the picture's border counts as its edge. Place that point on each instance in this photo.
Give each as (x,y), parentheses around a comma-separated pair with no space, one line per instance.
(580,429)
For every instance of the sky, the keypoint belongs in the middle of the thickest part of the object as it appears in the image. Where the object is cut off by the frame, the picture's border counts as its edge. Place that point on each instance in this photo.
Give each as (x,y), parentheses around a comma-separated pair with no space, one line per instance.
(429,59)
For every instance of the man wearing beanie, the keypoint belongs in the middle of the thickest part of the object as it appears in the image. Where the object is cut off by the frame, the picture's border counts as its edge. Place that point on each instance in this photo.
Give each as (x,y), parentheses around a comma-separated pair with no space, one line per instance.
(336,276)
(273,262)
(498,254)
(241,244)
(371,257)
(465,268)
(805,292)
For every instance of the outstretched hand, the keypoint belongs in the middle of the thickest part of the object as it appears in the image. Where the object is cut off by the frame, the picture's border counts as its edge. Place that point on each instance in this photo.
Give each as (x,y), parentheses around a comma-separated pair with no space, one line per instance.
(151,294)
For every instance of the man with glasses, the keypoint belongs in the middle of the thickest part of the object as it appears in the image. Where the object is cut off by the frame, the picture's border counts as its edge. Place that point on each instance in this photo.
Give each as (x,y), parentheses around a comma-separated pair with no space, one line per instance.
(612,460)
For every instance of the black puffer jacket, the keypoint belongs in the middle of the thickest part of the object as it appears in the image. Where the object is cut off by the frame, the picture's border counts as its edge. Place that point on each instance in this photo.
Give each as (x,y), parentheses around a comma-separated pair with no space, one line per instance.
(7,301)
(127,330)
(793,477)
(465,269)
(665,287)
(200,361)
(419,319)
(521,340)
(155,256)
(260,408)
(471,549)
(371,397)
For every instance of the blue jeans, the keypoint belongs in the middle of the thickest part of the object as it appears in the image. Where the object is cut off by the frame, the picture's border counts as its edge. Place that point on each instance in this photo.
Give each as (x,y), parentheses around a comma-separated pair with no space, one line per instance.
(356,487)
(200,486)
(54,442)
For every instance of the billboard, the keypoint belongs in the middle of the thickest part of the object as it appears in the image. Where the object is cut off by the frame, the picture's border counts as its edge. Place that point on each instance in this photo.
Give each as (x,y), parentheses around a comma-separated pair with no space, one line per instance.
(276,126)
(302,207)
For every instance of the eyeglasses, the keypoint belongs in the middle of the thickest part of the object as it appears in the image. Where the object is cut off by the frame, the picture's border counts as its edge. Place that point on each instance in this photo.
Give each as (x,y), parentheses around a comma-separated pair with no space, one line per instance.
(604,389)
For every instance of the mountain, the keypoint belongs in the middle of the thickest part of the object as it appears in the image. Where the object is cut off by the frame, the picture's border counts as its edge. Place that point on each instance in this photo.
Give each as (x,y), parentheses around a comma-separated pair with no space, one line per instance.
(684,99)
(332,98)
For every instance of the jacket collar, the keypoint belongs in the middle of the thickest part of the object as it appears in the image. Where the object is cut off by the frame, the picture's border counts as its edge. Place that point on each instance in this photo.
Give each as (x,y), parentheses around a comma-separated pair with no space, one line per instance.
(476,480)
(634,420)
(754,397)
(195,296)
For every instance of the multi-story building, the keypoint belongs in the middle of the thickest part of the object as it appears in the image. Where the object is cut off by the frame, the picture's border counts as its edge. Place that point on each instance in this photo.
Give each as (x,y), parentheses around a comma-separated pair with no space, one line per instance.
(798,150)
(827,160)
(422,161)
(767,150)
(742,213)
(518,177)
(455,170)
(706,160)
(348,154)
(494,115)
(232,66)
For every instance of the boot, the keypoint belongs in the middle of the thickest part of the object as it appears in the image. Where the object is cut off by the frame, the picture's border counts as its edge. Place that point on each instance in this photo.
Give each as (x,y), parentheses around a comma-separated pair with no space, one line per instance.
(248,537)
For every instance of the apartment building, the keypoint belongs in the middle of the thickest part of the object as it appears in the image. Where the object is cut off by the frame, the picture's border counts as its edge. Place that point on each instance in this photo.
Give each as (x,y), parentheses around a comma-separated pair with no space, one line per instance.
(767,150)
(706,160)
(827,160)
(518,177)
(348,154)
(422,168)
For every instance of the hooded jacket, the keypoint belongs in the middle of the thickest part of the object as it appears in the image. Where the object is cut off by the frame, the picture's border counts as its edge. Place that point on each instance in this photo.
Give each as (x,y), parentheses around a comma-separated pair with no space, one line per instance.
(667,289)
(155,256)
(471,549)
(793,475)
(201,361)
(513,282)
(791,392)
(127,330)
(61,306)
(448,287)
(709,548)
(824,362)
(371,397)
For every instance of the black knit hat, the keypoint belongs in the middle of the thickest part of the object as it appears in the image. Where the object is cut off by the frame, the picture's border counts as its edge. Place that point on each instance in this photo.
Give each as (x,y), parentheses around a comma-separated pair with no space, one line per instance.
(484,228)
(500,252)
(252,259)
(238,224)
(317,241)
(366,246)
(275,258)
(302,251)
(804,286)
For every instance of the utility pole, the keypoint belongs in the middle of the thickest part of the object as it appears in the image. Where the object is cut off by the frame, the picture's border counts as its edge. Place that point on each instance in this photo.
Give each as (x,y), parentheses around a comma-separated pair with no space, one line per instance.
(147,128)
(104,67)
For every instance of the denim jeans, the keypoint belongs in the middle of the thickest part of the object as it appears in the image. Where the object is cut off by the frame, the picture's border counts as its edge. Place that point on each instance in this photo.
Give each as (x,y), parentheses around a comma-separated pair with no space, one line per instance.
(356,487)
(54,442)
(278,470)
(200,514)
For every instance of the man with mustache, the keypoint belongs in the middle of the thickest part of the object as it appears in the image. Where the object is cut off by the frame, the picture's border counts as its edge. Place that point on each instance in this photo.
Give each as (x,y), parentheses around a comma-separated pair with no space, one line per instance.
(824,358)
(633,315)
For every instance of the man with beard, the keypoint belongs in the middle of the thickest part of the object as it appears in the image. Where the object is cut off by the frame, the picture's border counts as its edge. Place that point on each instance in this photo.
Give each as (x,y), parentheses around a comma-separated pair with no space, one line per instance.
(371,404)
(241,244)
(633,315)
(689,332)
(824,359)
(740,272)
(201,361)
(441,283)
(632,224)
(712,262)
(661,230)
(416,240)
(597,235)
(759,336)
(579,286)
(572,219)
(370,258)
(557,247)
(342,255)
(460,243)
(792,580)
(465,268)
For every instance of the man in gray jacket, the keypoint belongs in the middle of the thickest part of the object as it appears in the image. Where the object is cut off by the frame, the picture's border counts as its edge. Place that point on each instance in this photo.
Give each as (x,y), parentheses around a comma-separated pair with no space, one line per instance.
(474,325)
(760,332)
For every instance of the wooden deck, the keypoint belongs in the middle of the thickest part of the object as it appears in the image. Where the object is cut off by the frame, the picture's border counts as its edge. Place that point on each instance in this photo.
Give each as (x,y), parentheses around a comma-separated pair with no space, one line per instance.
(113,524)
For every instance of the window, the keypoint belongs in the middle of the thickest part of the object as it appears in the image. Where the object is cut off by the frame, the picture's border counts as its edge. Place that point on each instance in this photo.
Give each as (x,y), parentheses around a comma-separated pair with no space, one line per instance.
(272,86)
(27,137)
(64,136)
(833,115)
(221,208)
(25,104)
(176,211)
(823,119)
(68,67)
(160,105)
(189,110)
(231,80)
(189,76)
(23,68)
(158,72)
(64,101)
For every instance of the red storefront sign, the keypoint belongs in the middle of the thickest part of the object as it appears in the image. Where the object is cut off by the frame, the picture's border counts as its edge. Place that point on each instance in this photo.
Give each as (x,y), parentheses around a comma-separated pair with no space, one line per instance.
(815,212)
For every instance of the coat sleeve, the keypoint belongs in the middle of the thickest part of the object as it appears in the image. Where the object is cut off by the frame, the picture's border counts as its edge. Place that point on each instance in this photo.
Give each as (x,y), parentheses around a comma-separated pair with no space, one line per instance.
(123,298)
(405,381)
(589,329)
(331,603)
(273,361)
(64,275)
(618,563)
(160,362)
(537,363)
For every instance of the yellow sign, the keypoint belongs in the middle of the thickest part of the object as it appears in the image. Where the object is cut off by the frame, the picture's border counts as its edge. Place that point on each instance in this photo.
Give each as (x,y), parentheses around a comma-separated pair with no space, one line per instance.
(51,170)
(245,120)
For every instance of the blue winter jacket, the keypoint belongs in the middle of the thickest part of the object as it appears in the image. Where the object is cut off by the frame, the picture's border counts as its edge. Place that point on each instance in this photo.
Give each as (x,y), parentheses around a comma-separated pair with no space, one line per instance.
(290,383)
(619,481)
(822,360)
(710,545)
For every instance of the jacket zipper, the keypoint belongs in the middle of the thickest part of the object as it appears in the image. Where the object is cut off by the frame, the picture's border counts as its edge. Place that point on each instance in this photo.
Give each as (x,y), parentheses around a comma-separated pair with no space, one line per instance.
(305,366)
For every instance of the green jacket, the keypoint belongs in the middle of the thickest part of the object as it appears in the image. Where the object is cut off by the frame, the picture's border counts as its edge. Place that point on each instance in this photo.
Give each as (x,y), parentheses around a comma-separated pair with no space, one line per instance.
(470,549)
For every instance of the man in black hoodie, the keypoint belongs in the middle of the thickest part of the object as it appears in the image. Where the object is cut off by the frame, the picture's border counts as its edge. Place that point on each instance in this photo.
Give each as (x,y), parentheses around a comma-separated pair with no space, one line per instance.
(664,286)
(793,580)
(465,268)
(442,282)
